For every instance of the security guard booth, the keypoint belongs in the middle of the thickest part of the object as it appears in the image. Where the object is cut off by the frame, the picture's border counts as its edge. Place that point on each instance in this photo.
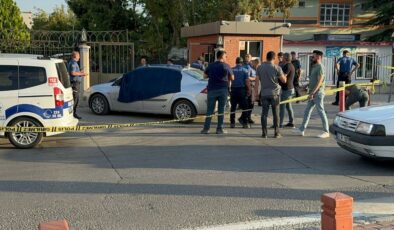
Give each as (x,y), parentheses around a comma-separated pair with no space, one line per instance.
(236,37)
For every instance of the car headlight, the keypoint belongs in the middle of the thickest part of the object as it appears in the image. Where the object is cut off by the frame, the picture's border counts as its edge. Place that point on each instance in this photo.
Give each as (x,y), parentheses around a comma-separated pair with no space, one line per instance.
(364,128)
(337,120)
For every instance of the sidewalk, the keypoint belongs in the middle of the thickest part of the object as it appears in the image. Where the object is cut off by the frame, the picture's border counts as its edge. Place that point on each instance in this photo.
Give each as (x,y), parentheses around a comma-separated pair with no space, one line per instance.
(381,225)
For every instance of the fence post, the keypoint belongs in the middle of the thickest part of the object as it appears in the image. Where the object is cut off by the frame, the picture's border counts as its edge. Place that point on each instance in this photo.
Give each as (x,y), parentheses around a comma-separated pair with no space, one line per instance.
(342,97)
(84,49)
(337,211)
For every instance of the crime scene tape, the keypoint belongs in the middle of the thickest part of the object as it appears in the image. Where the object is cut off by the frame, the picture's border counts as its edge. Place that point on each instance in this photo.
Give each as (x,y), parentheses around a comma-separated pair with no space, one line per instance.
(83,128)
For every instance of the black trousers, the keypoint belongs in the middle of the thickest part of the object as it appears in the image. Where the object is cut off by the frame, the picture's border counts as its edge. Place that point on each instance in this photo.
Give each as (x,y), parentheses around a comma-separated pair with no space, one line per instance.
(266,102)
(250,106)
(238,97)
(342,77)
(75,85)
(297,89)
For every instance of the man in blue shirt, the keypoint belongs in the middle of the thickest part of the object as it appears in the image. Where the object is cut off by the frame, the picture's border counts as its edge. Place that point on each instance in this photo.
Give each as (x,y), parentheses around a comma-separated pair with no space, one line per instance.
(344,69)
(75,77)
(219,74)
(240,91)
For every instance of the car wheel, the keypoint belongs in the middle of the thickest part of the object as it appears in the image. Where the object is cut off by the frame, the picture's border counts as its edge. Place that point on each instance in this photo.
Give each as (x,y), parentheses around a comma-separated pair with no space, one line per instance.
(184,110)
(25,140)
(99,104)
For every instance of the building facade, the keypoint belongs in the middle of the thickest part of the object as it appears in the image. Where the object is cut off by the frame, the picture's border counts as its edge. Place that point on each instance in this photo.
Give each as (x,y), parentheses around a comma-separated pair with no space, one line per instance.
(236,37)
(333,26)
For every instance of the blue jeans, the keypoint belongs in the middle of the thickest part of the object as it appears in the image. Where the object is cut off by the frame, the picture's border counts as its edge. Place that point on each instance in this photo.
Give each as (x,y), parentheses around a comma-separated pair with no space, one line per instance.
(318,102)
(286,95)
(219,95)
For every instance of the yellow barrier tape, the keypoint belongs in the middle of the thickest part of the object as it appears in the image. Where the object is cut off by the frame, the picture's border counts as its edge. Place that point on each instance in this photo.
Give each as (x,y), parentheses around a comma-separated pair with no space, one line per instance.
(83,128)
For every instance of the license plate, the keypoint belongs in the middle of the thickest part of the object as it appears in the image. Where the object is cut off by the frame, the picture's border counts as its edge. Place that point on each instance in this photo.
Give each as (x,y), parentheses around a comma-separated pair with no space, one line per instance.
(343,138)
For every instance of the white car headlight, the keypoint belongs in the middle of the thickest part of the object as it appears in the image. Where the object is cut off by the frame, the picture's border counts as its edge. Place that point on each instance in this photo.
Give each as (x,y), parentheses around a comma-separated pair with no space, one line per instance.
(364,128)
(337,120)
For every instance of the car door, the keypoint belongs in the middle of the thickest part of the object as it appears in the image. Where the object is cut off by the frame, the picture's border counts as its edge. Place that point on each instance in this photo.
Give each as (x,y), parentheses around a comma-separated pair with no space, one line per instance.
(9,82)
(164,79)
(120,106)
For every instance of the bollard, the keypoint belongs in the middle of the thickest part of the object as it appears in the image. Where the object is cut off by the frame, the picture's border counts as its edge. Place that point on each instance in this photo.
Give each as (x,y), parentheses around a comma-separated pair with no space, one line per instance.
(54,225)
(342,97)
(337,211)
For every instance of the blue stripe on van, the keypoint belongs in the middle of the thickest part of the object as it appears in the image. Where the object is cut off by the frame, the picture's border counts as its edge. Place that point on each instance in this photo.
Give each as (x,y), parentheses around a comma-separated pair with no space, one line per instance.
(45,113)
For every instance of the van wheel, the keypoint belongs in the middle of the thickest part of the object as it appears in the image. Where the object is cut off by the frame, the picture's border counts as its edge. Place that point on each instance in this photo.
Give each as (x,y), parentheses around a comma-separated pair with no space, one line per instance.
(99,104)
(184,110)
(25,140)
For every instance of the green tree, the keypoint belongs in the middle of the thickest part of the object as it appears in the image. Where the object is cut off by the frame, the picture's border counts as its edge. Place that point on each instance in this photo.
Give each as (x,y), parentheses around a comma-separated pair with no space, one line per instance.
(384,17)
(12,29)
(61,19)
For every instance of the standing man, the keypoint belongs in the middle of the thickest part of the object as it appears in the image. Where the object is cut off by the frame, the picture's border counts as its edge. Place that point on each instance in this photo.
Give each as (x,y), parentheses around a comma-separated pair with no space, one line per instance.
(287,91)
(269,75)
(75,77)
(280,59)
(297,76)
(344,69)
(240,91)
(219,74)
(316,96)
(248,64)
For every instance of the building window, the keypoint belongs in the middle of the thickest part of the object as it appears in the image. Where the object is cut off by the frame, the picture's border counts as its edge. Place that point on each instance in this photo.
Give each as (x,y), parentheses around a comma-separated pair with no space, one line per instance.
(367,63)
(334,15)
(301,4)
(250,47)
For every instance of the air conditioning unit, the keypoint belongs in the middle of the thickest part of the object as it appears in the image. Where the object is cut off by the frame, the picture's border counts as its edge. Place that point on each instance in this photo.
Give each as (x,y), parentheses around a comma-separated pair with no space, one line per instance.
(242,18)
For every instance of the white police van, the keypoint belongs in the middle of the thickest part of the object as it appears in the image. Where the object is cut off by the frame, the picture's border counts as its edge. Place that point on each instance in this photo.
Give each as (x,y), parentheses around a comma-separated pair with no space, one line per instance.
(34,92)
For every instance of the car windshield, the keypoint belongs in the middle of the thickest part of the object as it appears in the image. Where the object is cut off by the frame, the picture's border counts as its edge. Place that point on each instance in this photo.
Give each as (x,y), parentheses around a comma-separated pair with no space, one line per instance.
(195,73)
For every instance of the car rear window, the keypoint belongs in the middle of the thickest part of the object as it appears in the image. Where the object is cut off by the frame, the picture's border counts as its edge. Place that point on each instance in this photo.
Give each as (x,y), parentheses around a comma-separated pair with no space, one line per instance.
(64,78)
(195,73)
(30,76)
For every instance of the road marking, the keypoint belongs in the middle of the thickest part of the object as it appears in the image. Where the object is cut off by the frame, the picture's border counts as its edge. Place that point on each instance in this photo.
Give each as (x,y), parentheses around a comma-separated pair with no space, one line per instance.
(267,223)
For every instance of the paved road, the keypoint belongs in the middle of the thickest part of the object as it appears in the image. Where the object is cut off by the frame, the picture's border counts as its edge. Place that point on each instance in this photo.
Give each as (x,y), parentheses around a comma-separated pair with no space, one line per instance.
(173,178)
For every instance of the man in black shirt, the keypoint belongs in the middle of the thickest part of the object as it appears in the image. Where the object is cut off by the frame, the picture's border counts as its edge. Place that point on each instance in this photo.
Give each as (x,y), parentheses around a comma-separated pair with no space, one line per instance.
(297,76)
(287,91)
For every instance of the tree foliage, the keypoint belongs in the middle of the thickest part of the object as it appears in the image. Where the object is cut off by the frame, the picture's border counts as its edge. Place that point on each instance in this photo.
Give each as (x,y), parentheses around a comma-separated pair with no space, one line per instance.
(12,27)
(383,17)
(155,24)
(61,19)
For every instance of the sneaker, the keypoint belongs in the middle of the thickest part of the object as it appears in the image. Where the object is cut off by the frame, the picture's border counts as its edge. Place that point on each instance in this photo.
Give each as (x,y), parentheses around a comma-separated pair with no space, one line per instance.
(290,125)
(264,136)
(205,131)
(232,125)
(335,103)
(278,135)
(298,132)
(324,135)
(245,126)
(221,131)
(251,121)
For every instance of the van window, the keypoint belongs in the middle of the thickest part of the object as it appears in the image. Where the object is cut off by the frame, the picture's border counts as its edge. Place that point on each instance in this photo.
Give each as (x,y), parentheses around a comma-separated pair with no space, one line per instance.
(64,78)
(8,77)
(30,76)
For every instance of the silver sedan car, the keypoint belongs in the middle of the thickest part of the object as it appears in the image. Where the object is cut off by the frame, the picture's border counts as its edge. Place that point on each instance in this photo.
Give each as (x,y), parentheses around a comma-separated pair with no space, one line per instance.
(190,101)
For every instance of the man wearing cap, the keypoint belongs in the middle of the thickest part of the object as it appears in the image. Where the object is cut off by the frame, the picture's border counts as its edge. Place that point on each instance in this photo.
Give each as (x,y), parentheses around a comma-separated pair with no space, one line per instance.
(240,90)
(344,69)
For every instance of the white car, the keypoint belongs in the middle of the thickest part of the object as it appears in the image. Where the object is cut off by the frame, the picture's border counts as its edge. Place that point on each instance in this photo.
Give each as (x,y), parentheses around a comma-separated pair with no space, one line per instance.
(189,101)
(367,131)
(34,92)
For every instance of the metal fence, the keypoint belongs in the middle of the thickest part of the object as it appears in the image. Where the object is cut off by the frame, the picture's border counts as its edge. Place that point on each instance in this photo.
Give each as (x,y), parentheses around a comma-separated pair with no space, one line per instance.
(111,51)
(372,67)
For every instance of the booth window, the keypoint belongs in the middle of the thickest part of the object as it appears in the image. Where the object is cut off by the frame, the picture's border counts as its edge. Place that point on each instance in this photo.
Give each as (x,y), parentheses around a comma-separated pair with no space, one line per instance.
(250,47)
(336,15)
(367,63)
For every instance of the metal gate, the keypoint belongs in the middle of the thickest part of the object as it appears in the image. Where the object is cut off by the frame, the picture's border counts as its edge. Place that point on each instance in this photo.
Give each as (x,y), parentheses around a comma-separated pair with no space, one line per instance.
(111,53)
